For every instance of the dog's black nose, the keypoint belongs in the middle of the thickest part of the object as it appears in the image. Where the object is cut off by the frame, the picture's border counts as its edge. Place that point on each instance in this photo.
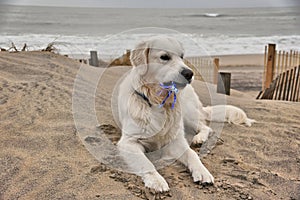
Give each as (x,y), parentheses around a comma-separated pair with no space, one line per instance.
(187,74)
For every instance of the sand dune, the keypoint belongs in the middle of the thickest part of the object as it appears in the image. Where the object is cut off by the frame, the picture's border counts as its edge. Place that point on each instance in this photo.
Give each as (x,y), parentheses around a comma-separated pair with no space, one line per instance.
(42,156)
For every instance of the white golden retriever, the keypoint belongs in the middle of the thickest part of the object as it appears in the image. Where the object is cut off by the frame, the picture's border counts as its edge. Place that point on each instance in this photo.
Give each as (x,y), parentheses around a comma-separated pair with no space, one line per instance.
(156,105)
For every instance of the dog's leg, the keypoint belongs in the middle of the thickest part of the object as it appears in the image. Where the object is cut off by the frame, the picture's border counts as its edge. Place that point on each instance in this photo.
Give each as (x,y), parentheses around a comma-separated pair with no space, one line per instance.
(179,149)
(194,117)
(198,170)
(202,133)
(133,154)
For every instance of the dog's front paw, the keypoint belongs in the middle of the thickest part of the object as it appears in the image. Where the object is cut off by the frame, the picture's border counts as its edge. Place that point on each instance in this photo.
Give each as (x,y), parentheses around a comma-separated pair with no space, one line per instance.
(202,136)
(202,175)
(155,181)
(249,122)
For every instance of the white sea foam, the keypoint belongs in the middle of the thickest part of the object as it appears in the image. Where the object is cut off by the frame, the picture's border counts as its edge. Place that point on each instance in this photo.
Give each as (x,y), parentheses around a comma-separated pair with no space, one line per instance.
(212,14)
(111,46)
(76,31)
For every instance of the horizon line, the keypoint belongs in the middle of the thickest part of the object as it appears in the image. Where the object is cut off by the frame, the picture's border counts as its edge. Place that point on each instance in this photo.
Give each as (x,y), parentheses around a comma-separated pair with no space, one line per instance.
(141,7)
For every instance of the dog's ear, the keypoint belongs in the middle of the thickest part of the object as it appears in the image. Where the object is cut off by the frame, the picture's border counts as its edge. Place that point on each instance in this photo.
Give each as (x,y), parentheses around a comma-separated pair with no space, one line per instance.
(139,55)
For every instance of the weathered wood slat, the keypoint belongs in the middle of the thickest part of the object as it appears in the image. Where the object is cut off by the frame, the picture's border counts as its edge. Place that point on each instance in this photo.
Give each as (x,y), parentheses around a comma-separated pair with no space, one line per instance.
(286,86)
(293,83)
(276,92)
(281,96)
(290,87)
(297,87)
(268,93)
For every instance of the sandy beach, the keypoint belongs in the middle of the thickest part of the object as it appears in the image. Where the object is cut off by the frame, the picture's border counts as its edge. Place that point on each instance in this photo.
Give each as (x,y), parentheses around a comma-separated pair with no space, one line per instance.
(246,71)
(42,156)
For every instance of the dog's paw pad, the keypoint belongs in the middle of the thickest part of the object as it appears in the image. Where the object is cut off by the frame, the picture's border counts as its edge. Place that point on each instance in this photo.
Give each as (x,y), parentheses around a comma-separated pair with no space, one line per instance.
(199,139)
(203,176)
(157,182)
(202,136)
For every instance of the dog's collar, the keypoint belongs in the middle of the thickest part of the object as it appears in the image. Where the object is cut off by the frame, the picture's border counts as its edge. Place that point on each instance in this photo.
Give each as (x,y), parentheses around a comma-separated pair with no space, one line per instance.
(144,97)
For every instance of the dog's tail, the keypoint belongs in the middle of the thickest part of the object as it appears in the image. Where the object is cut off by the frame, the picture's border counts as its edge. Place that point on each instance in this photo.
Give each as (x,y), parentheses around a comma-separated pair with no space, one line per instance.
(227,113)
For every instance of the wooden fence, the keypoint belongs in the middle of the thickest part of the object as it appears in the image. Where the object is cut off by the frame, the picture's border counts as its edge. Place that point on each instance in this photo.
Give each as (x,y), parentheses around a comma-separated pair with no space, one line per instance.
(281,75)
(205,68)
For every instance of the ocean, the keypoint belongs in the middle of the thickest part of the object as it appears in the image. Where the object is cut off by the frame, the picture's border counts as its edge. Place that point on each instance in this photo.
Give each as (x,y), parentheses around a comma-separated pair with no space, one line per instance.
(76,31)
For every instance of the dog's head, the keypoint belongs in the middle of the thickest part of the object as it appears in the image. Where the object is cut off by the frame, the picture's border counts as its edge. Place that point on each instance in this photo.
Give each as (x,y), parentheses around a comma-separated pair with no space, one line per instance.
(160,60)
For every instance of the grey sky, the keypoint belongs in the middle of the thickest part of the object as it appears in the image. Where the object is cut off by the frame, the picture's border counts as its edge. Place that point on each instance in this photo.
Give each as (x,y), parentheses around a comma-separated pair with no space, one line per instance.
(158,3)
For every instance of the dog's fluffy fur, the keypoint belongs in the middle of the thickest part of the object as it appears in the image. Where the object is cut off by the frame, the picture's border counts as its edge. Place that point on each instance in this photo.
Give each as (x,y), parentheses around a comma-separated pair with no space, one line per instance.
(147,127)
(228,113)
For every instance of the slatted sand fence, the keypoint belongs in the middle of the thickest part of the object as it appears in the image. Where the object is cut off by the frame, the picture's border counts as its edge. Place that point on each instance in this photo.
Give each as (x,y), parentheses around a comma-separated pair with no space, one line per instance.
(281,76)
(205,68)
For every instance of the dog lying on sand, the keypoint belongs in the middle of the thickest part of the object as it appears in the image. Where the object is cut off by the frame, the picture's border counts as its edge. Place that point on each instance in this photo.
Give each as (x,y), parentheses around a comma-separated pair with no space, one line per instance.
(156,103)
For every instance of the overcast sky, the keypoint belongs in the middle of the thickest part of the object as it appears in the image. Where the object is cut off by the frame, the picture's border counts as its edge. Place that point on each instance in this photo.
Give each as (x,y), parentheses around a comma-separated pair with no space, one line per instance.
(157,3)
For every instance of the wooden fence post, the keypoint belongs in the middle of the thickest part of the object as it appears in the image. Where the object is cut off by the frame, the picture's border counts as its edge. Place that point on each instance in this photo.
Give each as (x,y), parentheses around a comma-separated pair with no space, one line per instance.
(216,70)
(263,86)
(94,59)
(223,85)
(270,64)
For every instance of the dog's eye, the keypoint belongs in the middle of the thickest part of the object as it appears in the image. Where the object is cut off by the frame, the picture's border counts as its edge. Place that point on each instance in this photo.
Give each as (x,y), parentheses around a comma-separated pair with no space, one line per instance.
(165,57)
(181,56)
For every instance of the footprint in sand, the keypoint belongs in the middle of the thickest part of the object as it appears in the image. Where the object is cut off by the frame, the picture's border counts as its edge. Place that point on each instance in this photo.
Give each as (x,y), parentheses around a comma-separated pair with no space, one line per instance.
(3,100)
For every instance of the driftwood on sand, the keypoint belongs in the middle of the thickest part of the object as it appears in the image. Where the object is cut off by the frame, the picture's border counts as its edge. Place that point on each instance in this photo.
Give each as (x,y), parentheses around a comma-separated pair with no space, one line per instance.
(50,48)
